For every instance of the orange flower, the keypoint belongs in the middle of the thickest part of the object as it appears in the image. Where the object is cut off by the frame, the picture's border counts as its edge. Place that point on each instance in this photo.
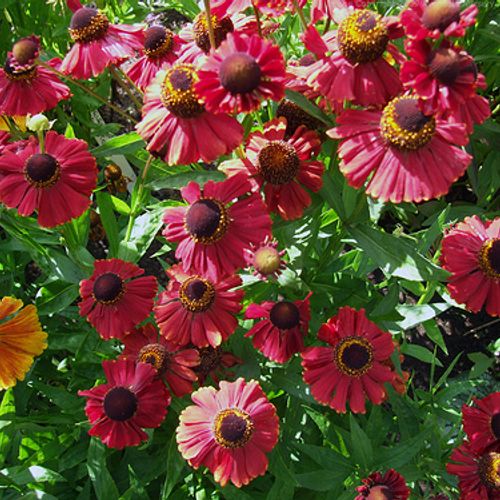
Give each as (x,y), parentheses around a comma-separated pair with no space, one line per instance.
(21,338)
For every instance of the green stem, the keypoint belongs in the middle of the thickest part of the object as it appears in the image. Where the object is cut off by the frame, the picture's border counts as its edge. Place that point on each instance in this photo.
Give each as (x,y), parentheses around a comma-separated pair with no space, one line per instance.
(88,91)
(41,140)
(140,190)
(116,75)
(211,33)
(300,13)
(257,18)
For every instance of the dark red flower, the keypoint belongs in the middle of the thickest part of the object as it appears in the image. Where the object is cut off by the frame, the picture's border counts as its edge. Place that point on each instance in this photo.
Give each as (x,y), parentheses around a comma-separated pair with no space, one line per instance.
(116,297)
(131,400)
(390,486)
(174,365)
(213,364)
(281,332)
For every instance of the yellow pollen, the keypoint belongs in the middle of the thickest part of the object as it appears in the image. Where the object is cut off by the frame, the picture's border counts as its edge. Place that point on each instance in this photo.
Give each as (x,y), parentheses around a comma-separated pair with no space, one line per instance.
(197,294)
(353,356)
(154,354)
(278,162)
(164,48)
(362,37)
(489,470)
(486,257)
(233,428)
(97,28)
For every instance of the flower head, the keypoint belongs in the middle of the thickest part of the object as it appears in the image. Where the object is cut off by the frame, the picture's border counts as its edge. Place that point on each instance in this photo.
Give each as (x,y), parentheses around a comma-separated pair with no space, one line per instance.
(471,253)
(174,365)
(378,486)
(131,400)
(21,339)
(242,72)
(352,367)
(56,182)
(281,332)
(265,259)
(197,309)
(221,221)
(116,297)
(213,364)
(412,156)
(229,430)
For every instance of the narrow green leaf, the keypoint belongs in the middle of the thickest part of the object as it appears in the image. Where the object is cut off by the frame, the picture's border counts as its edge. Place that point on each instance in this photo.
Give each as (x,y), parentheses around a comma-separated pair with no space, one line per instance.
(308,106)
(361,447)
(121,145)
(481,363)
(108,221)
(120,206)
(177,181)
(104,485)
(421,353)
(415,314)
(175,465)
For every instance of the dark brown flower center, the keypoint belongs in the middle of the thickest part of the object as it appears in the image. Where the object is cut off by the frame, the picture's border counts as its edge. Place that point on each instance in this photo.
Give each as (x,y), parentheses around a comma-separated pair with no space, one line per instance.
(489,470)
(14,72)
(42,170)
(285,315)
(489,258)
(278,162)
(210,358)
(221,28)
(362,37)
(88,24)
(440,14)
(233,428)
(25,50)
(158,41)
(197,294)
(353,356)
(404,126)
(178,94)
(295,117)
(120,404)
(240,73)
(444,65)
(495,425)
(206,221)
(154,354)
(380,493)
(108,288)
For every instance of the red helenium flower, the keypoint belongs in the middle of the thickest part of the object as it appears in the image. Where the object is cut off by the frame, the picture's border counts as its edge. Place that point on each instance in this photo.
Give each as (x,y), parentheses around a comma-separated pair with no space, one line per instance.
(161,50)
(327,8)
(281,332)
(198,310)
(116,297)
(471,253)
(357,69)
(282,167)
(213,364)
(176,125)
(98,43)
(131,400)
(25,86)
(433,19)
(229,431)
(412,156)
(266,259)
(56,182)
(174,365)
(390,485)
(478,472)
(221,221)
(482,421)
(351,368)
(241,73)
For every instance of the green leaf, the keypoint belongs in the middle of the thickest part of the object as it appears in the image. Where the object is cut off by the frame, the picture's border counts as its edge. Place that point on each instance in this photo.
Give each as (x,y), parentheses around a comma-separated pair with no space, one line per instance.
(123,144)
(434,333)
(481,363)
(361,446)
(120,206)
(177,181)
(55,297)
(396,256)
(308,106)
(108,220)
(104,485)
(320,480)
(35,474)
(415,314)
(421,353)
(175,465)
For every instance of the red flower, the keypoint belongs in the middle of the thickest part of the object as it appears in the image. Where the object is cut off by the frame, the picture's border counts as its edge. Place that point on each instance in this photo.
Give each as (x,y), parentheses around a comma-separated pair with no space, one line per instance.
(198,310)
(266,259)
(433,19)
(357,69)
(98,43)
(161,50)
(413,157)
(444,78)
(471,253)
(377,486)
(213,364)
(229,431)
(482,421)
(352,367)
(220,222)
(242,72)
(282,167)
(116,297)
(478,472)
(176,125)
(327,8)
(26,87)
(131,401)
(281,332)
(56,182)
(144,345)
(4,140)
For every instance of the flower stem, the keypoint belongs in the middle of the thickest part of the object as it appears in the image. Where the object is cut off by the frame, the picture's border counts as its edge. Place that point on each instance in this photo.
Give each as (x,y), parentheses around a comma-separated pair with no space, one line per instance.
(41,140)
(257,18)
(88,91)
(300,13)
(211,34)
(140,191)
(116,75)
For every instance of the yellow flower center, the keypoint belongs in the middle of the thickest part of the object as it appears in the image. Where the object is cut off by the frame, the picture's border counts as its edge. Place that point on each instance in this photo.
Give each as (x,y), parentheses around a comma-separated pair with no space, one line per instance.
(266,260)
(489,470)
(158,41)
(404,126)
(88,24)
(278,162)
(353,356)
(489,258)
(233,428)
(362,37)
(154,354)
(221,28)
(197,294)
